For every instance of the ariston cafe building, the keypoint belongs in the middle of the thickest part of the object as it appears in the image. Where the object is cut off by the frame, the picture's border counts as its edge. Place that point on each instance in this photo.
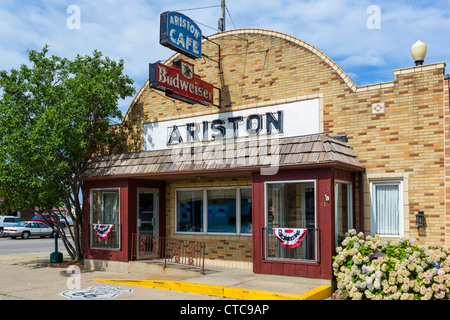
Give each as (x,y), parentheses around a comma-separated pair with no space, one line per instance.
(258,145)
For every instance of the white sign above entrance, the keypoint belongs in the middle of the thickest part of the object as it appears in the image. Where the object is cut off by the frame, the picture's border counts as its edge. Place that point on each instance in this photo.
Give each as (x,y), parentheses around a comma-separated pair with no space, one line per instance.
(285,120)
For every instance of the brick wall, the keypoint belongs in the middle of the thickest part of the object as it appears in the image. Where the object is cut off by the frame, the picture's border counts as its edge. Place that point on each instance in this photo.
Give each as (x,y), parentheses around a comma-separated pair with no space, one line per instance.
(446,97)
(408,141)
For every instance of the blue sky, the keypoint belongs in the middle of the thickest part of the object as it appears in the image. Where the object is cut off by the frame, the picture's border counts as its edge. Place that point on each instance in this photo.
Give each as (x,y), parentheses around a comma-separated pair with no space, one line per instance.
(367,45)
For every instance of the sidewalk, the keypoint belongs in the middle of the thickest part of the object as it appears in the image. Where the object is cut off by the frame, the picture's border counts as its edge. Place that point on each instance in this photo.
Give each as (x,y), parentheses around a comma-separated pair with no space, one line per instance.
(24,277)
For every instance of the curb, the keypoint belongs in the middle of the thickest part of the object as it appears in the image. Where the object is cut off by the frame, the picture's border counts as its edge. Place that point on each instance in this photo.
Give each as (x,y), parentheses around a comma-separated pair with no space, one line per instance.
(319,293)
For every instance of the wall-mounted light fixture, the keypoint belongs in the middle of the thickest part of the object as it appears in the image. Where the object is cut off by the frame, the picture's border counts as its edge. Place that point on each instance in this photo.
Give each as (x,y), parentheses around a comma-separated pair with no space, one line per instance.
(420,219)
(418,52)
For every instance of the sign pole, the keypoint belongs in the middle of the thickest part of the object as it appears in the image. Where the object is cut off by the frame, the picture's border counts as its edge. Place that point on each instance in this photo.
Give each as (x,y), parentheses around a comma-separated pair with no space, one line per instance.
(222,24)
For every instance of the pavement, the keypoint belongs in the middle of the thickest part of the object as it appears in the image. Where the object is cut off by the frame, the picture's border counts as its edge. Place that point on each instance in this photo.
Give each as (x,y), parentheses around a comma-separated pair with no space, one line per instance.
(28,276)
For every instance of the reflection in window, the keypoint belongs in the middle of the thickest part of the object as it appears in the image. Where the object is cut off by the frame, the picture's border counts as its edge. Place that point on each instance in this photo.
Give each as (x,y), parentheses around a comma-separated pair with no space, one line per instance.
(222,210)
(227,210)
(190,211)
(246,210)
(343,210)
(105,210)
(291,205)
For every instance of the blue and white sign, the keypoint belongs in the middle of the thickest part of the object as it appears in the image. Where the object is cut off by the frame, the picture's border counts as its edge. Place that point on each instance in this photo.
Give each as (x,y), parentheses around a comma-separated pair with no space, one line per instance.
(281,121)
(181,34)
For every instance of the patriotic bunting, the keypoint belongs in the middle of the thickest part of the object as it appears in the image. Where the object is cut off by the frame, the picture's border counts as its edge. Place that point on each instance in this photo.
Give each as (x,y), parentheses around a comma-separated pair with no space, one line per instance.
(103,230)
(289,238)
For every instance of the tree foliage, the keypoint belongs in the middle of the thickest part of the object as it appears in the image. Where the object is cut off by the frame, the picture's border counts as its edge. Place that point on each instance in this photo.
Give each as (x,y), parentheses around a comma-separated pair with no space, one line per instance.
(53,115)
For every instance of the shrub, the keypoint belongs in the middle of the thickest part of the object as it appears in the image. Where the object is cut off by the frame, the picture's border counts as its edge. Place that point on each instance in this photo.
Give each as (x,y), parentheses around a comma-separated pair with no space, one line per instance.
(380,269)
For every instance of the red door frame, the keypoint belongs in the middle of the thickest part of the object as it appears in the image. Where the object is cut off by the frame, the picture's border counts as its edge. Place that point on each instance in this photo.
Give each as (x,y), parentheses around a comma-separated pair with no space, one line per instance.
(128,215)
(324,178)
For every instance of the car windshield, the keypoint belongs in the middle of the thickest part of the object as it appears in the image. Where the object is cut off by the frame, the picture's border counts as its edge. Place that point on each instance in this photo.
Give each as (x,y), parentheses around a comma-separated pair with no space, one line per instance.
(21,224)
(36,218)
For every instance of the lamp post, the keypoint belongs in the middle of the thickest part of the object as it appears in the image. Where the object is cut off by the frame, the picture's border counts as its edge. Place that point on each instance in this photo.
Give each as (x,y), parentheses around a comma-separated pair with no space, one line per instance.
(418,52)
(56,257)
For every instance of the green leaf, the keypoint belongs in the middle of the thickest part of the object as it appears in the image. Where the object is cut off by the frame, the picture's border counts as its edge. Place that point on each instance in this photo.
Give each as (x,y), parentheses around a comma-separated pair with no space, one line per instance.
(53,113)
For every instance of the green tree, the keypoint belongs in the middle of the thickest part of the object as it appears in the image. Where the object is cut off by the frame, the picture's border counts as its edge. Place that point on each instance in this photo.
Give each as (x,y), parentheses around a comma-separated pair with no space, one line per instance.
(53,116)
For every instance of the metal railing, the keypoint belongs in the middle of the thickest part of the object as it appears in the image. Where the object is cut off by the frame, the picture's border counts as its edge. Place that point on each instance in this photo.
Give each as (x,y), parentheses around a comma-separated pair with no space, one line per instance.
(307,251)
(187,252)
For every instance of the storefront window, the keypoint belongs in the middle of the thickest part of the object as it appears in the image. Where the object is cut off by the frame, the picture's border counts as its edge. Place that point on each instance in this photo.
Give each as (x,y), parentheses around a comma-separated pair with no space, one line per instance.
(246,210)
(190,211)
(222,210)
(105,227)
(226,210)
(291,206)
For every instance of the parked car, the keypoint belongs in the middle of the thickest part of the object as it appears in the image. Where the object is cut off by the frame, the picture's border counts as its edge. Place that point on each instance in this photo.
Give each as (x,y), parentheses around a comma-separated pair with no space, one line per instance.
(63,221)
(49,219)
(7,221)
(63,213)
(26,229)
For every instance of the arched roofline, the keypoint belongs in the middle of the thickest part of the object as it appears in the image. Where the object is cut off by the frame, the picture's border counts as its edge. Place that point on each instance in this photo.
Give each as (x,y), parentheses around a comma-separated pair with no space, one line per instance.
(333,65)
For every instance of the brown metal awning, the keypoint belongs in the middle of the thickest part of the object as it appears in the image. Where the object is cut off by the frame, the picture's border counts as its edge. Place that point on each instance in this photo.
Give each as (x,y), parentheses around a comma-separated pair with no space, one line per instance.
(302,152)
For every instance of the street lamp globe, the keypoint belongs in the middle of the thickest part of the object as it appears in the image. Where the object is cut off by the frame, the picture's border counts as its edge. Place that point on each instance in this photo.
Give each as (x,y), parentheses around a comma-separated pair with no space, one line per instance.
(418,52)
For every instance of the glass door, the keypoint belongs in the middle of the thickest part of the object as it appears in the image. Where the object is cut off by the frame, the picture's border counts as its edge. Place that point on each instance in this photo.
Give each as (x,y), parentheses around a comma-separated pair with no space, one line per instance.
(343,210)
(147,219)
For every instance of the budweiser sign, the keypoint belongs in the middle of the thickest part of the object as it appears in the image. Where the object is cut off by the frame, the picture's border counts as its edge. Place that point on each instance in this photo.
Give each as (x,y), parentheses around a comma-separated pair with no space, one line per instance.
(180,82)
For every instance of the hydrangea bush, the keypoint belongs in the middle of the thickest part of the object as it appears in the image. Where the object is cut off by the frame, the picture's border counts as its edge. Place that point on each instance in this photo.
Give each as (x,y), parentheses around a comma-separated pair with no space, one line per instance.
(379,269)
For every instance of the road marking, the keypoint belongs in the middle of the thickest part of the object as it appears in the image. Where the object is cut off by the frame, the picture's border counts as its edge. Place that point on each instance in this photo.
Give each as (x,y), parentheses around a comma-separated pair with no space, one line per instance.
(95,293)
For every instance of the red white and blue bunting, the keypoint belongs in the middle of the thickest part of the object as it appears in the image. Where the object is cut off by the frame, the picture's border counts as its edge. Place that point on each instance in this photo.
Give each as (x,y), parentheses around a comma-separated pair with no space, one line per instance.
(289,238)
(103,230)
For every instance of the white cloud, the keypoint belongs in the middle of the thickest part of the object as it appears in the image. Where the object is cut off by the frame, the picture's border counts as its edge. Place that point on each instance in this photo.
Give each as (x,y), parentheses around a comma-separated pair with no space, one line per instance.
(129,30)
(365,59)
